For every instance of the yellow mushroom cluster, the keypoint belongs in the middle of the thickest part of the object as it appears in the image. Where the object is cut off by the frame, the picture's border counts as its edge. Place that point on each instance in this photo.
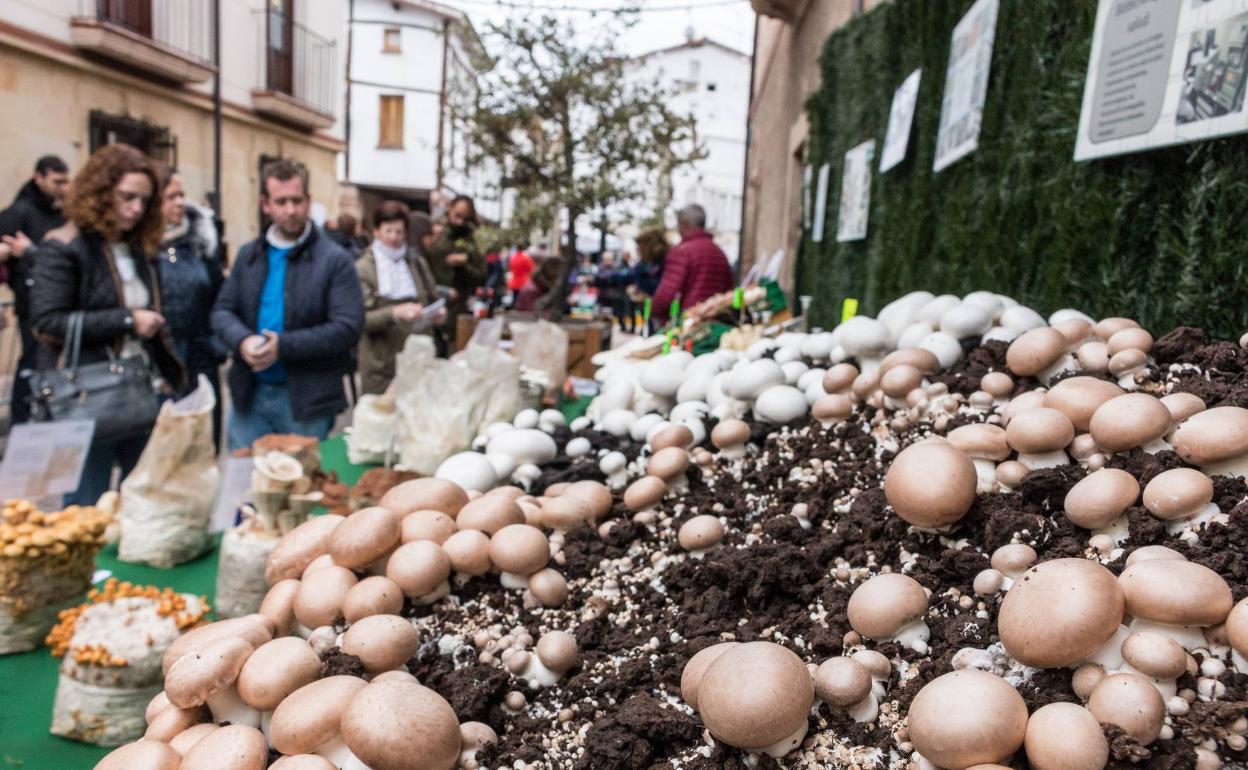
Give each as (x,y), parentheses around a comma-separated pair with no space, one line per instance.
(27,531)
(170,604)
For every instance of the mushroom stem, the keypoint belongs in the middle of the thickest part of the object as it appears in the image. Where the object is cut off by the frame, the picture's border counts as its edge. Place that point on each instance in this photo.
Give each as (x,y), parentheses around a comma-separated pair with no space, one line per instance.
(1211,513)
(339,755)
(784,746)
(1117,530)
(1044,460)
(513,581)
(1109,655)
(439,593)
(227,706)
(1167,687)
(986,472)
(1190,637)
(537,673)
(1063,364)
(866,710)
(1236,466)
(914,636)
(1157,445)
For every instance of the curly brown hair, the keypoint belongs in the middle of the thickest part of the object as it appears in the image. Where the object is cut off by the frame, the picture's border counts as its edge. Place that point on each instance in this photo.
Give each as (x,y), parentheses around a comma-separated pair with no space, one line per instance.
(652,245)
(90,203)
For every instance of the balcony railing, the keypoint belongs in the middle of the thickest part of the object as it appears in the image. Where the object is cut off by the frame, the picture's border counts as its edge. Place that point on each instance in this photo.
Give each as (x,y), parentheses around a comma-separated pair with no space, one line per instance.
(180,28)
(296,62)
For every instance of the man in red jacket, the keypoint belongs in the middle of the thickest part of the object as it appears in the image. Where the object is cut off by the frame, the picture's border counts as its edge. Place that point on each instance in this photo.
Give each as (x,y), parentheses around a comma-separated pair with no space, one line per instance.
(695,269)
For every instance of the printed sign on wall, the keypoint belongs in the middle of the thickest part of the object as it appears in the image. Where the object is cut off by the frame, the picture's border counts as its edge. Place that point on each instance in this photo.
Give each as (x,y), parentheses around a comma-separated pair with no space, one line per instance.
(1163,73)
(966,84)
(855,193)
(821,204)
(900,119)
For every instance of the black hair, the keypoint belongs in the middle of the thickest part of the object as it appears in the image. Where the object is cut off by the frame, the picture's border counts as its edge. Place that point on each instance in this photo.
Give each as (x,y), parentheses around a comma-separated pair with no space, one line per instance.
(50,164)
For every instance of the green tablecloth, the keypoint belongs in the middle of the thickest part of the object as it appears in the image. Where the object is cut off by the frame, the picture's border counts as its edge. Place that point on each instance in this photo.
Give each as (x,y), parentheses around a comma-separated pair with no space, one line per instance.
(28,680)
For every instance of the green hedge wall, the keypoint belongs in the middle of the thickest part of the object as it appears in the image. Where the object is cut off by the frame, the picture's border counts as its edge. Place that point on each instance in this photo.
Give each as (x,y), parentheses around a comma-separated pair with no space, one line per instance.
(1161,236)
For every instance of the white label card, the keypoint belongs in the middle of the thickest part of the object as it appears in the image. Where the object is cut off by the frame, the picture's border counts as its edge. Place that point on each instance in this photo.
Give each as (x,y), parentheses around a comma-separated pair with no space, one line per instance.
(44,458)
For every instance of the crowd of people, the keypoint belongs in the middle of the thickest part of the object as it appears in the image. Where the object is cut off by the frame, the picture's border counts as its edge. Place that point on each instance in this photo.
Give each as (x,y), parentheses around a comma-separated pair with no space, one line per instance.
(297,313)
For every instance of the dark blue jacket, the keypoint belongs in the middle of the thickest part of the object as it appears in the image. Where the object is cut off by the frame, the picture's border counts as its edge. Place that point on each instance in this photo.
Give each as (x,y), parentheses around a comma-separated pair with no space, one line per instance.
(324,316)
(190,277)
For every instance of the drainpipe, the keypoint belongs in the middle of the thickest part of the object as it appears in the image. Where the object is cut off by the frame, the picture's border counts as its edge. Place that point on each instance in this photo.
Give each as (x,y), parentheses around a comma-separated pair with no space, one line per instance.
(216,124)
(446,57)
(347,116)
(749,141)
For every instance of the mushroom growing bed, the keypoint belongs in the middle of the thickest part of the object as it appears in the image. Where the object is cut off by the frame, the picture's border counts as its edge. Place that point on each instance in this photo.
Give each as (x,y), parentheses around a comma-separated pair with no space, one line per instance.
(863,596)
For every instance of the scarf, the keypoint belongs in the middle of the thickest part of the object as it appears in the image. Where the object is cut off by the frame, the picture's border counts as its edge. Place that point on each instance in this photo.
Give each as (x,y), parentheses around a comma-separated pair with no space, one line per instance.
(394,277)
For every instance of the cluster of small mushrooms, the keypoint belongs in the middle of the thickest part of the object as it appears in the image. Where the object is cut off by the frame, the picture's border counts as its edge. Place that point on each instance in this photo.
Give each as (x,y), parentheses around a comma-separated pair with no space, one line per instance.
(1144,635)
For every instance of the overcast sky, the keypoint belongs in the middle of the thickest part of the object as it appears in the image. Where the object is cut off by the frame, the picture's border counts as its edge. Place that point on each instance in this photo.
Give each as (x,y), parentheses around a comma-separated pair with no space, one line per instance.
(725,21)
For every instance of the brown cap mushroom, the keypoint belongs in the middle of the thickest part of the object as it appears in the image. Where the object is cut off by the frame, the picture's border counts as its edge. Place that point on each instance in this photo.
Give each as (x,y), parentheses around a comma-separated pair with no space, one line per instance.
(921,360)
(1093,356)
(1065,736)
(419,568)
(434,526)
(563,512)
(396,725)
(1180,593)
(298,547)
(374,595)
(1107,327)
(884,605)
(141,755)
(840,378)
(1025,401)
(489,514)
(931,484)
(1216,435)
(1010,474)
(645,492)
(309,717)
(233,747)
(365,537)
(1130,702)
(1237,627)
(1154,655)
(275,670)
(832,408)
(1132,338)
(425,494)
(1079,397)
(279,605)
(1125,362)
(199,675)
(1101,497)
(183,741)
(997,384)
(967,717)
(252,629)
(1075,330)
(1035,350)
(596,495)
(318,602)
(692,673)
(980,441)
(381,642)
(700,532)
(469,552)
(1178,493)
(557,650)
(519,549)
(756,696)
(842,682)
(1146,552)
(865,384)
(173,721)
(1182,406)
(900,380)
(1013,559)
(474,736)
(677,436)
(1085,679)
(730,436)
(548,587)
(303,762)
(668,463)
(1060,612)
(1129,421)
(1038,431)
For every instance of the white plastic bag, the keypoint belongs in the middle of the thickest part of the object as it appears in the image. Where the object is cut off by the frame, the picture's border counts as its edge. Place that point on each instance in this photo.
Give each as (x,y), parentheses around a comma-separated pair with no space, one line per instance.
(166,501)
(543,346)
(443,404)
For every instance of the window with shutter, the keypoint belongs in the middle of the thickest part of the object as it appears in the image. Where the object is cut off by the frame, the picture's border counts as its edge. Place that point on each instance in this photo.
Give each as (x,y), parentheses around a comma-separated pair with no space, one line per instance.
(391,130)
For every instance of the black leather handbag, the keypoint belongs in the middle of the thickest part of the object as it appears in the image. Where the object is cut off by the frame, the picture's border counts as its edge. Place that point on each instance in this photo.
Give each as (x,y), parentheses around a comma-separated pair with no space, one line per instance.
(117,394)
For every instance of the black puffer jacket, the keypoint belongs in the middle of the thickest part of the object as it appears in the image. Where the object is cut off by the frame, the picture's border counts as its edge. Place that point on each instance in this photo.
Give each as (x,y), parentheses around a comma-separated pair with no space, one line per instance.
(73,272)
(34,214)
(190,277)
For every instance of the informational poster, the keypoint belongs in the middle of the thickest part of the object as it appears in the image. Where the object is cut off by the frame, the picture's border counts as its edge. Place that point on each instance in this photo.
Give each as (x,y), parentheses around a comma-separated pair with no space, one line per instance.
(44,458)
(1163,72)
(900,120)
(821,203)
(808,179)
(966,83)
(851,223)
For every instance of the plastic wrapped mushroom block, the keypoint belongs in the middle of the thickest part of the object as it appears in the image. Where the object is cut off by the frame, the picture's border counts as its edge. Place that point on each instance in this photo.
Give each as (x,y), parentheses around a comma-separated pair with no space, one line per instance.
(46,561)
(281,500)
(374,423)
(111,649)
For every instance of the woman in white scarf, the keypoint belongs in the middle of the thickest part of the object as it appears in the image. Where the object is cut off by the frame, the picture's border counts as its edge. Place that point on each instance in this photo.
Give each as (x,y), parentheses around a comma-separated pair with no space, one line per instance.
(397,286)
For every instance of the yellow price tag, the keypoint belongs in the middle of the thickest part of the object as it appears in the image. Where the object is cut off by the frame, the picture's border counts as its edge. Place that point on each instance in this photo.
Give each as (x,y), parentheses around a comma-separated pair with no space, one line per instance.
(849,309)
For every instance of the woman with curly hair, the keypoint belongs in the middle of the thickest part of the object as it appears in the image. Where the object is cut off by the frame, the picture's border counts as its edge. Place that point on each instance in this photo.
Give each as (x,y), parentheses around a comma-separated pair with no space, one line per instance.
(102,263)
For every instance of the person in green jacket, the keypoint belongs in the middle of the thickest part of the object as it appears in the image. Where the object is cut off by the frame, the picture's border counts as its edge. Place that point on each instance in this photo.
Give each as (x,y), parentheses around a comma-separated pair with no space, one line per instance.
(397,285)
(456,260)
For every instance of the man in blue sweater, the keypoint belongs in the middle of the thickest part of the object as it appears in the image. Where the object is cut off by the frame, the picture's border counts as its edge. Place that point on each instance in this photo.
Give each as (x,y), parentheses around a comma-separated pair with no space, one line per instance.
(291,312)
